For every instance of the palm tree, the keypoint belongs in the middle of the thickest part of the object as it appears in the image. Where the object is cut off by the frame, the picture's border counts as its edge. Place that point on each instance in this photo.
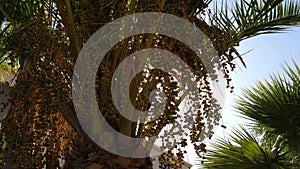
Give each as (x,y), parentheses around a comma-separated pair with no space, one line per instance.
(242,150)
(247,19)
(275,105)
(45,37)
(273,108)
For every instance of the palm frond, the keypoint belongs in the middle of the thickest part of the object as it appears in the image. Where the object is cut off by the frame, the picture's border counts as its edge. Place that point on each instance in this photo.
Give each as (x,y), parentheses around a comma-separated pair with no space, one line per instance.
(5,70)
(248,19)
(16,11)
(243,151)
(275,104)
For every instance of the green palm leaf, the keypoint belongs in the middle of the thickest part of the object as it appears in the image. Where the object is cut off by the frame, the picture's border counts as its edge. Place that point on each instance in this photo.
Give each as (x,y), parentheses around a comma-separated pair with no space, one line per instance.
(243,151)
(15,11)
(275,105)
(248,19)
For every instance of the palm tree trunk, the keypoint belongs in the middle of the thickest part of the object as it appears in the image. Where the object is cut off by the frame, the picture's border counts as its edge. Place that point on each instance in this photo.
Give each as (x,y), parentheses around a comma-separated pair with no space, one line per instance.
(87,155)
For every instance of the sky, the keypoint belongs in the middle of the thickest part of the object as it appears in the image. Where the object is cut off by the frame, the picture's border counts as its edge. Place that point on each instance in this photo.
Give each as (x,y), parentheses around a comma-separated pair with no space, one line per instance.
(267,56)
(268,53)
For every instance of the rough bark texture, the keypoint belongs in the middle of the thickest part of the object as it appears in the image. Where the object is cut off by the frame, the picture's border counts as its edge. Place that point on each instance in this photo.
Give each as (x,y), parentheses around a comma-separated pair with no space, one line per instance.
(42,108)
(88,155)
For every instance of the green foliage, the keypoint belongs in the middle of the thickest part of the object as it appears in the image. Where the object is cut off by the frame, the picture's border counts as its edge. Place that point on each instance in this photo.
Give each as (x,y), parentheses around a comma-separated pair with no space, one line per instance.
(5,71)
(273,108)
(247,19)
(275,105)
(242,150)
(44,38)
(18,11)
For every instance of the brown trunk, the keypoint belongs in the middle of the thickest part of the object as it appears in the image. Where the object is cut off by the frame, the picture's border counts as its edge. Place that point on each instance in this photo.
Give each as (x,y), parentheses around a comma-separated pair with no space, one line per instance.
(87,155)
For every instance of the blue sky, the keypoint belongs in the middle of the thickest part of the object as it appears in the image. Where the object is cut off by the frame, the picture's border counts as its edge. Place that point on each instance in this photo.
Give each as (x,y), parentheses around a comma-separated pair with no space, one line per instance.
(268,53)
